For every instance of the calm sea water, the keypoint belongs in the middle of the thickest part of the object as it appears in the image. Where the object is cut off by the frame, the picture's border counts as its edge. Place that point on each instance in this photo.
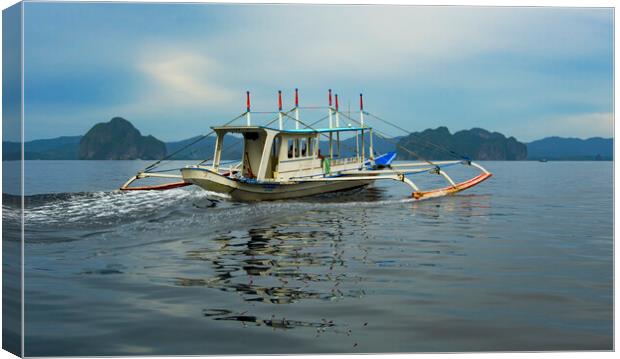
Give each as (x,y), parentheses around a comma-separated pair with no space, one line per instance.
(522,262)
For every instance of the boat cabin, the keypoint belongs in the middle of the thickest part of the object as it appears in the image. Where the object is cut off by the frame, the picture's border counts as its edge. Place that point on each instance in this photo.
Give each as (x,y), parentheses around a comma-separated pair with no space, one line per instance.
(275,155)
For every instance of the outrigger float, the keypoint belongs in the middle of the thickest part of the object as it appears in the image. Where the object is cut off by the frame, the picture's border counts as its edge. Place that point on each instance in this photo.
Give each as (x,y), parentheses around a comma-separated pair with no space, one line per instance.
(281,163)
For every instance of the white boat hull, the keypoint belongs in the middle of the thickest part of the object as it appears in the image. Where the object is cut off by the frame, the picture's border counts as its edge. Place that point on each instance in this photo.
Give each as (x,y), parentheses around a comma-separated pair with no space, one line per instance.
(264,191)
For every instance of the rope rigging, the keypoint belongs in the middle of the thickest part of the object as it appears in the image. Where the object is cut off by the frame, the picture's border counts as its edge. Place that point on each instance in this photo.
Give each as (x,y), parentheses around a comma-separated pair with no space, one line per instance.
(427,144)
(391,140)
(202,137)
(157,163)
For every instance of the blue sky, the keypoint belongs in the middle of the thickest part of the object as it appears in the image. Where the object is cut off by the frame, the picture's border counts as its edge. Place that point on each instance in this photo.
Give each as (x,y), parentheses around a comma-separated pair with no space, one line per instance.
(173,70)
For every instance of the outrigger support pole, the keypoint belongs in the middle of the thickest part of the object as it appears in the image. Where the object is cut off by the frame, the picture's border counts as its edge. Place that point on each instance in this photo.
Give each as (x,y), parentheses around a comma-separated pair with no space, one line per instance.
(478,167)
(129,181)
(445,175)
(409,182)
(437,170)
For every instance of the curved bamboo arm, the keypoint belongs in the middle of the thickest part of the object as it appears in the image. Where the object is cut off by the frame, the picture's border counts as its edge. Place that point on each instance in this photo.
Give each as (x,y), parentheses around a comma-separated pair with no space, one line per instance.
(455,187)
(165,186)
(479,167)
(129,181)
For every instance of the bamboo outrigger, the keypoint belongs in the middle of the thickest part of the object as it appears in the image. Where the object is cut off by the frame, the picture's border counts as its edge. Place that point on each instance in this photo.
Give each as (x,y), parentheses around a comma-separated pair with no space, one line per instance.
(279,163)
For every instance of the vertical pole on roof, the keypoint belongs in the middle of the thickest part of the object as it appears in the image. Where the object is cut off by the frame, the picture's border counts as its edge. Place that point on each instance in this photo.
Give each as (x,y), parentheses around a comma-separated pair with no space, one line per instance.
(280,121)
(337,114)
(357,145)
(337,126)
(331,146)
(331,134)
(371,155)
(296,109)
(247,105)
(329,108)
(362,124)
(363,150)
(361,110)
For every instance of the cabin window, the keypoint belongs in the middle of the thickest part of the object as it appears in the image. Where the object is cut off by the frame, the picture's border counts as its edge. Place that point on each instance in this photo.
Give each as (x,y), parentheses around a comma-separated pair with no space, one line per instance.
(291,145)
(310,147)
(301,147)
(304,145)
(275,147)
(252,136)
(316,146)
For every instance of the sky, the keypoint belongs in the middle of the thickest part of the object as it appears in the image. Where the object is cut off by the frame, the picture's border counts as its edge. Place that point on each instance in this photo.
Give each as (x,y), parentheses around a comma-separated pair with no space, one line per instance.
(173,70)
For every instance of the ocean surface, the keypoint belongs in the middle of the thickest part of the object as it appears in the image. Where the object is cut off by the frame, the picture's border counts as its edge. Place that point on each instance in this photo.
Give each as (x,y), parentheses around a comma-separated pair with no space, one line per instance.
(522,262)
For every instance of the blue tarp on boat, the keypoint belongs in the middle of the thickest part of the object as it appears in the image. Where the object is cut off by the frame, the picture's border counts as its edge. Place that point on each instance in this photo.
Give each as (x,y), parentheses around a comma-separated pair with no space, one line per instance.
(385,159)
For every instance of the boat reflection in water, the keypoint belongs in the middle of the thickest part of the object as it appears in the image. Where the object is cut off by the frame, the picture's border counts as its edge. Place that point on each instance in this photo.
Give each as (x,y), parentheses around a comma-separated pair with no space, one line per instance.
(280,264)
(337,253)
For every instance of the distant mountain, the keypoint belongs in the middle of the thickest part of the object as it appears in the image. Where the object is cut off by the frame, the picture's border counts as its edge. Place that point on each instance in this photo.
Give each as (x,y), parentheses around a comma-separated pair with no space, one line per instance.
(477,144)
(558,148)
(60,148)
(118,139)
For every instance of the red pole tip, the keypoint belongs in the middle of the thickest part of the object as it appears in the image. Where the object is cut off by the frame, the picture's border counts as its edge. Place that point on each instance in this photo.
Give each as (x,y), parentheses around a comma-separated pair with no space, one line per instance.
(296,98)
(336,102)
(361,103)
(247,100)
(330,97)
(280,100)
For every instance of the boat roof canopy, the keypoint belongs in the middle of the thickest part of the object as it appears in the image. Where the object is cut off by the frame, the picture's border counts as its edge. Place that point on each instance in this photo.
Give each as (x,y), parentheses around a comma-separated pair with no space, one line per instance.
(321,130)
(237,129)
(241,129)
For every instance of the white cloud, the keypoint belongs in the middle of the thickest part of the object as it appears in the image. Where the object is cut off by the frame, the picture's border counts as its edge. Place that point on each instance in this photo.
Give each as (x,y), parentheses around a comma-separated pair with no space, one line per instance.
(371,42)
(181,78)
(523,64)
(316,47)
(353,42)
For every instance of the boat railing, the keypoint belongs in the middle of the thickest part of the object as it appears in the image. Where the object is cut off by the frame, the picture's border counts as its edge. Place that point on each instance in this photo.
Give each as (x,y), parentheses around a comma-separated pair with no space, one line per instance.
(344,161)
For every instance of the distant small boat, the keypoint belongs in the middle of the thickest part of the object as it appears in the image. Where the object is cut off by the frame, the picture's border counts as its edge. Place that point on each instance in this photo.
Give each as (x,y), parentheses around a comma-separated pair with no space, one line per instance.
(279,163)
(542,160)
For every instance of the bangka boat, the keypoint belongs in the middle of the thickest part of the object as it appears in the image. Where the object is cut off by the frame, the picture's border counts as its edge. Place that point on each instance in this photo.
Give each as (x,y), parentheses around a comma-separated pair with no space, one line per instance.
(282,163)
